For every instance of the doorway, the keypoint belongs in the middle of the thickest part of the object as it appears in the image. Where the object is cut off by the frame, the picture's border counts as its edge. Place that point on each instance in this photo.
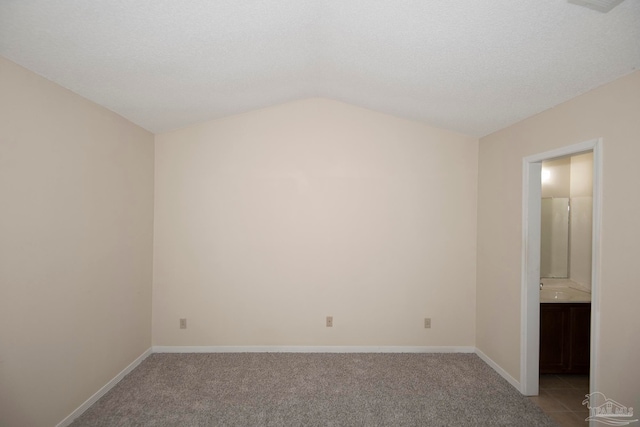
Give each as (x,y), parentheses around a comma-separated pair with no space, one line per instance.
(530,292)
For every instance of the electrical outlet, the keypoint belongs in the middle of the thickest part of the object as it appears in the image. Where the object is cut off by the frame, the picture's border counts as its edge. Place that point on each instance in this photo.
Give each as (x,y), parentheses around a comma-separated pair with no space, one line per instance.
(183,323)
(329,321)
(427,322)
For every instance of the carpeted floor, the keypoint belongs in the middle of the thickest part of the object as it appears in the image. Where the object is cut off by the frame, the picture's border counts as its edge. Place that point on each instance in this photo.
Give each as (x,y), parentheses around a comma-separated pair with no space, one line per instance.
(318,389)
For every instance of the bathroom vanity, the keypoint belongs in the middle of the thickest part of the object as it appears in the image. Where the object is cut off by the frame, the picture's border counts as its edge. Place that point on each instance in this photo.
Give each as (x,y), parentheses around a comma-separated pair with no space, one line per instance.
(565,330)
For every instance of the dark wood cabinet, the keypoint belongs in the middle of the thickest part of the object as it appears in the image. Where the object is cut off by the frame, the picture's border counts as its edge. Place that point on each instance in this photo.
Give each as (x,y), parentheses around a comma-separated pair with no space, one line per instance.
(565,332)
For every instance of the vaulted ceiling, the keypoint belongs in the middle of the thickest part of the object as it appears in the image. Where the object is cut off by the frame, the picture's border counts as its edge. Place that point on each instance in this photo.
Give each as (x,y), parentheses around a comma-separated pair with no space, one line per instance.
(473,66)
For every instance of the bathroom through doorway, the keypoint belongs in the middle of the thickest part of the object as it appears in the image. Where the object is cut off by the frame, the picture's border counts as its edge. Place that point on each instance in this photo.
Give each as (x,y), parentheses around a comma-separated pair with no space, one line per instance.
(531,262)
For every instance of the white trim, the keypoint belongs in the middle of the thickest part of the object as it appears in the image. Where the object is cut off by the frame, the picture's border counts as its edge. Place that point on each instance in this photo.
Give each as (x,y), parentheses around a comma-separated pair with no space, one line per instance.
(530,294)
(530,314)
(108,386)
(313,349)
(596,261)
(571,150)
(504,374)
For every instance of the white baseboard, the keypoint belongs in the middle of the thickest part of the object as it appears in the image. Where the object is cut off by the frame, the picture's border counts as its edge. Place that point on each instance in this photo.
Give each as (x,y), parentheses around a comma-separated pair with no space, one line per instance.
(108,386)
(504,374)
(312,349)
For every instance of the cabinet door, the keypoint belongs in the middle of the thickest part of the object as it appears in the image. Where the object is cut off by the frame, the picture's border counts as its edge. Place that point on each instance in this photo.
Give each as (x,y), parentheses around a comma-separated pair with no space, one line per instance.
(579,337)
(554,343)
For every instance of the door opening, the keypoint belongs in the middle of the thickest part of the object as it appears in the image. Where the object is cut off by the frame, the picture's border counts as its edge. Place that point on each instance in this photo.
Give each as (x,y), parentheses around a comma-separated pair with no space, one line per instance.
(530,300)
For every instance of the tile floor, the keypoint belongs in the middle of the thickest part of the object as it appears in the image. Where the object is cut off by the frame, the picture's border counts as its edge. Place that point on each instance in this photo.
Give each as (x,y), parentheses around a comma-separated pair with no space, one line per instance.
(561,398)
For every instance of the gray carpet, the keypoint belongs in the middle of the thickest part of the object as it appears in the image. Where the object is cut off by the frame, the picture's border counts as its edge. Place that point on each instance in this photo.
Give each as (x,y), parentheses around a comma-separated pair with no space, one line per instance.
(298,389)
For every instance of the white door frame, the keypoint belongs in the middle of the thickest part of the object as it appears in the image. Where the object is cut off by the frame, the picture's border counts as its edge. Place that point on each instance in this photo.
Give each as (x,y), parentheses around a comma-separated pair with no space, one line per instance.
(530,294)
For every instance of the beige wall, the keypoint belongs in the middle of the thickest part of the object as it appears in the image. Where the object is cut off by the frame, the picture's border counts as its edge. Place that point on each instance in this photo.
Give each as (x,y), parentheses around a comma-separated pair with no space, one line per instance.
(267,222)
(76,192)
(559,182)
(582,175)
(581,218)
(611,112)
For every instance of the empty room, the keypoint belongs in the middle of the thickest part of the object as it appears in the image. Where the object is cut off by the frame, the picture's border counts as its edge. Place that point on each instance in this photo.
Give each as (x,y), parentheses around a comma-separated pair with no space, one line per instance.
(319,213)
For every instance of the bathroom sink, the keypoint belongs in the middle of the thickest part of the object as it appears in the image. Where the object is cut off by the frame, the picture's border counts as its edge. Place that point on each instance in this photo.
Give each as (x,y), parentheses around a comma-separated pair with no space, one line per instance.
(550,294)
(563,291)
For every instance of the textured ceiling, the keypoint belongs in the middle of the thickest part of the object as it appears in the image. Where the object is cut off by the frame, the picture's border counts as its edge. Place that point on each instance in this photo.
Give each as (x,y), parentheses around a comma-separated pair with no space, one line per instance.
(474,66)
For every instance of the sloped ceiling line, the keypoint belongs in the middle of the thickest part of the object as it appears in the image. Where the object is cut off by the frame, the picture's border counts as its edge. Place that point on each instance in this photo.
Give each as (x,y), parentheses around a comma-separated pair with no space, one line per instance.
(466,65)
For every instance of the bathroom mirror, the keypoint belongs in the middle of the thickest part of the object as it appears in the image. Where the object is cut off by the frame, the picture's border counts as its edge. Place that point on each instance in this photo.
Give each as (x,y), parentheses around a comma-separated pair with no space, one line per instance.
(554,238)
